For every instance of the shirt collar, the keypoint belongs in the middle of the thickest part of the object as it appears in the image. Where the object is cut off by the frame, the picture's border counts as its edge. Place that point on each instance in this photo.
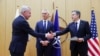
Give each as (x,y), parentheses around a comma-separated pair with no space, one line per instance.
(23,16)
(78,21)
(45,20)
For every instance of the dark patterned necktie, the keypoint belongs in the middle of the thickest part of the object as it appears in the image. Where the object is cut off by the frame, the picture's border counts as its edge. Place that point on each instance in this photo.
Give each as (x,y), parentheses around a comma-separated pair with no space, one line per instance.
(76,27)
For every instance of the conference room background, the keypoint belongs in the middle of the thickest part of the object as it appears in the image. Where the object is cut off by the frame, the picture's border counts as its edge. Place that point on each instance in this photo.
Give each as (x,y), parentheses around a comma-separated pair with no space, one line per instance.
(8,11)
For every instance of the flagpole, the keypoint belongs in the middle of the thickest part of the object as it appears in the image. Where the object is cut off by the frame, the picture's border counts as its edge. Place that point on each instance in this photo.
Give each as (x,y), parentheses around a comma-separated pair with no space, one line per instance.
(53,7)
(17,6)
(53,10)
(17,11)
(91,5)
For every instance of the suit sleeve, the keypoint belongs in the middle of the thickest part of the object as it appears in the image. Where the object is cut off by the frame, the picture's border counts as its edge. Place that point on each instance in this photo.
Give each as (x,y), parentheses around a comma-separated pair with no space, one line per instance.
(66,30)
(25,26)
(52,27)
(37,30)
(88,32)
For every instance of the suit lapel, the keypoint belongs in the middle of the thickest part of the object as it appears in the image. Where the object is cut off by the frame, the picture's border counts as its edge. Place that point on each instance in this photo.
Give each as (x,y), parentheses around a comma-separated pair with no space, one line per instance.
(73,27)
(47,25)
(42,24)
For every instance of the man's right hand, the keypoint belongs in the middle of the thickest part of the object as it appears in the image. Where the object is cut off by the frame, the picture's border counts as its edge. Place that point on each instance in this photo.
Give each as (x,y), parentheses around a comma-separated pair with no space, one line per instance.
(50,35)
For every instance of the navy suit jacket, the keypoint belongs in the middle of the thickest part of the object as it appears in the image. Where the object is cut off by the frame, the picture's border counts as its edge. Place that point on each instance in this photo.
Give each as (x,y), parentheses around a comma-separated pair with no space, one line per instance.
(40,29)
(83,31)
(20,31)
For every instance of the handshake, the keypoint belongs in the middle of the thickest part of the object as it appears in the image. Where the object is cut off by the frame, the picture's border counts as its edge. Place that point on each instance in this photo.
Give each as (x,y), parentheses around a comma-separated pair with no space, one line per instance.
(50,35)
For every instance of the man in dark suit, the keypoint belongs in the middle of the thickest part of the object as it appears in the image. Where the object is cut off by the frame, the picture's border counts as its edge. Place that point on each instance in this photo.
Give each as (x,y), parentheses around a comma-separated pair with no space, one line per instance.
(80,29)
(43,45)
(20,31)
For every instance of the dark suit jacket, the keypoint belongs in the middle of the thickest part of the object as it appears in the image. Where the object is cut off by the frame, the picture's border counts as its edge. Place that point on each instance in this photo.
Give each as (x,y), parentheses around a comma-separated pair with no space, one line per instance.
(40,29)
(20,31)
(83,31)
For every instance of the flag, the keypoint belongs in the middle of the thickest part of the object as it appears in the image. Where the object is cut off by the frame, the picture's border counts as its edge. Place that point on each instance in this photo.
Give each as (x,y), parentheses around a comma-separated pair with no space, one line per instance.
(17,13)
(93,42)
(56,44)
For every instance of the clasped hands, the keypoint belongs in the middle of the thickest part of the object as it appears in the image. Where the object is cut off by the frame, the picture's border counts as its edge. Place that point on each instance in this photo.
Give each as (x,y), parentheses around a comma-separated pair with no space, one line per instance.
(44,43)
(50,35)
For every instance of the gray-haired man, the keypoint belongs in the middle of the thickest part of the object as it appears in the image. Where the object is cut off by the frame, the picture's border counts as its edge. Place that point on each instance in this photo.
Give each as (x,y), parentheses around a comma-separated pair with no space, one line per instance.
(20,31)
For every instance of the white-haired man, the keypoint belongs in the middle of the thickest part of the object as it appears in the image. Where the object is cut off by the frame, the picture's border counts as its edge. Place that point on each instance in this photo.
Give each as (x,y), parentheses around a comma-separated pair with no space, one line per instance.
(43,45)
(20,31)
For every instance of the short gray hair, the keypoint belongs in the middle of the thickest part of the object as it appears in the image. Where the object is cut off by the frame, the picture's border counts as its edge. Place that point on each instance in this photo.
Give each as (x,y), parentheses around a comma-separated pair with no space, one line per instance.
(45,11)
(24,8)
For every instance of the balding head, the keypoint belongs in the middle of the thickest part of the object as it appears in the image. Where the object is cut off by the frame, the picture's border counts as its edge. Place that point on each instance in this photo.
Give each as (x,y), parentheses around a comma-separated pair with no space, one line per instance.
(25,11)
